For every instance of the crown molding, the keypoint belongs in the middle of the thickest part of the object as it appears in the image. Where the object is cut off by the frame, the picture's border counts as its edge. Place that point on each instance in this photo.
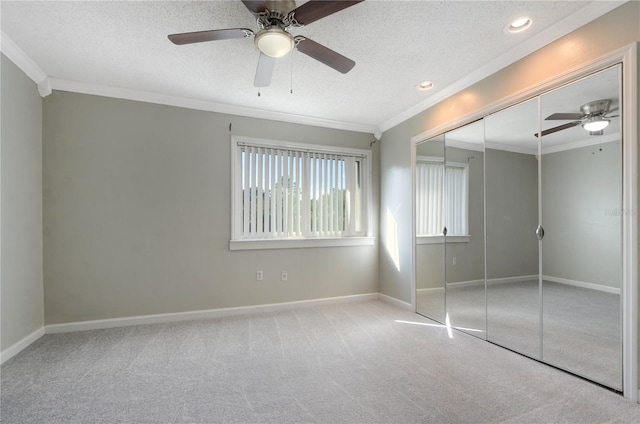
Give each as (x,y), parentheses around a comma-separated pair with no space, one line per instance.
(46,84)
(511,148)
(591,141)
(465,145)
(22,61)
(583,16)
(163,99)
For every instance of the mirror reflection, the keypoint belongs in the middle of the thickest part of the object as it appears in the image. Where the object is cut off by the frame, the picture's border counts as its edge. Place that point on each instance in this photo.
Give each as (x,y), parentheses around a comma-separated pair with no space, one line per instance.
(430,260)
(582,245)
(541,181)
(464,221)
(511,160)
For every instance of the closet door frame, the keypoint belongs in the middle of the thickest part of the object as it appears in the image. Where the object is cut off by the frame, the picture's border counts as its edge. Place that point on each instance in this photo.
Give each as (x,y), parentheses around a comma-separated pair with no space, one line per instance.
(628,57)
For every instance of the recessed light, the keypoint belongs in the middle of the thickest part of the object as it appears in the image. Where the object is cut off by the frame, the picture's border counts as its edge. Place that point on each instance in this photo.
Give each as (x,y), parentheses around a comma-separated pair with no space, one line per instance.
(424,85)
(518,25)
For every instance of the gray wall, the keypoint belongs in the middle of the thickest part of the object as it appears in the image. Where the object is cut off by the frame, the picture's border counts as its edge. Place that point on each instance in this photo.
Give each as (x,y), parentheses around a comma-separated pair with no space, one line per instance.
(582,203)
(21,198)
(512,214)
(396,268)
(137,214)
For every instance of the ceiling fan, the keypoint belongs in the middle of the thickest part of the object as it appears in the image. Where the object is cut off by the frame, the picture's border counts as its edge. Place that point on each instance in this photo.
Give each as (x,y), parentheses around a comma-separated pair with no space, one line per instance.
(594,117)
(274,18)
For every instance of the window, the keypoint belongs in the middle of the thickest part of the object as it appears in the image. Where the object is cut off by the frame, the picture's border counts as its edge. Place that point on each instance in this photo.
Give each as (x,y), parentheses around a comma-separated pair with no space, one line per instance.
(441,197)
(290,191)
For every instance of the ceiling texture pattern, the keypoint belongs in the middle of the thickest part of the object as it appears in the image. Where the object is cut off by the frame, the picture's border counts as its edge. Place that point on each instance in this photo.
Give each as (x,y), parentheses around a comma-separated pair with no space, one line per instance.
(121,49)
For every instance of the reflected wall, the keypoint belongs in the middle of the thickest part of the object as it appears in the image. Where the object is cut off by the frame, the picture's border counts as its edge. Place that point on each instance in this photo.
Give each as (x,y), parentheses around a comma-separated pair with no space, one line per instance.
(511,158)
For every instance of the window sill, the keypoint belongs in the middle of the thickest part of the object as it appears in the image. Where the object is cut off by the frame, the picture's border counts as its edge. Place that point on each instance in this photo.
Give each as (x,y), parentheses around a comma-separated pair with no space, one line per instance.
(440,239)
(300,243)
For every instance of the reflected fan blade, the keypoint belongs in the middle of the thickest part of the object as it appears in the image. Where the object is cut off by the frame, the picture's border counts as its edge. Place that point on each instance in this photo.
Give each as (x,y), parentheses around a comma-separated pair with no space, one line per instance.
(255,6)
(559,128)
(212,35)
(264,71)
(325,55)
(563,117)
(314,10)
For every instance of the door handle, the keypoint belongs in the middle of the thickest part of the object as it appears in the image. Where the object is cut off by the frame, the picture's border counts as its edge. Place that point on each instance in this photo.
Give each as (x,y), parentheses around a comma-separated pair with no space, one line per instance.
(540,232)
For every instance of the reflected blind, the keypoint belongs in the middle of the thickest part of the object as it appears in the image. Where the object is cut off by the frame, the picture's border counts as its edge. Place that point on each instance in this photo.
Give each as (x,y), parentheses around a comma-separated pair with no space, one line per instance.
(294,193)
(441,199)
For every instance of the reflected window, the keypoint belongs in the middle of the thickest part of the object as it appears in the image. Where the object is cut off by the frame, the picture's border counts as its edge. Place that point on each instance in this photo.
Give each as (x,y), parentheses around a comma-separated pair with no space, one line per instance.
(442,194)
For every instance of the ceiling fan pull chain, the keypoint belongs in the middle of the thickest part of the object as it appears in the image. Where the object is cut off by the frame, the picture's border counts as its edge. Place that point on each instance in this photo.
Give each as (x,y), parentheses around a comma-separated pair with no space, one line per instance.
(291,76)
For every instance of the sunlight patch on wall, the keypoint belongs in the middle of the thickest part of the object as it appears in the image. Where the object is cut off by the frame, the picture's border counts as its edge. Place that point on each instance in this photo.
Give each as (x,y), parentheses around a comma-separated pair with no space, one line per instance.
(391,240)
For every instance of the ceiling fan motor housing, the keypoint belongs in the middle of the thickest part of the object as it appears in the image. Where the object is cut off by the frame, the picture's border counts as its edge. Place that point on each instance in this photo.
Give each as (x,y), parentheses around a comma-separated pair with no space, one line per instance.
(283,6)
(598,107)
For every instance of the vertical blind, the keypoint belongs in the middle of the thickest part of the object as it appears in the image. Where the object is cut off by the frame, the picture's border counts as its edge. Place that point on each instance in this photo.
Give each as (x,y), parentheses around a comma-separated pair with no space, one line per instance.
(293,193)
(441,199)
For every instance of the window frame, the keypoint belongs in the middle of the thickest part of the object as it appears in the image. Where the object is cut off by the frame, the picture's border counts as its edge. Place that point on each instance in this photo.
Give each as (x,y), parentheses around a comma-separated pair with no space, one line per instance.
(440,238)
(237,242)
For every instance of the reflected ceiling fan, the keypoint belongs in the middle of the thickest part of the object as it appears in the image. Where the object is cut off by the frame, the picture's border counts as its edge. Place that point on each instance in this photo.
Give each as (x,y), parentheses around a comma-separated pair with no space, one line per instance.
(594,117)
(274,18)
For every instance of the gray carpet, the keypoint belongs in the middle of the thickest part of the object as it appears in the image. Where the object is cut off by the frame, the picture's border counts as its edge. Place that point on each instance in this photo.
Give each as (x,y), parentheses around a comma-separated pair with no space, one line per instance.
(360,362)
(581,330)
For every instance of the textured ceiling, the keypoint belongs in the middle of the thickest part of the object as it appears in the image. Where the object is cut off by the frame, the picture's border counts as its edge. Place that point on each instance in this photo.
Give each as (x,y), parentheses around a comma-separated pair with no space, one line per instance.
(395,45)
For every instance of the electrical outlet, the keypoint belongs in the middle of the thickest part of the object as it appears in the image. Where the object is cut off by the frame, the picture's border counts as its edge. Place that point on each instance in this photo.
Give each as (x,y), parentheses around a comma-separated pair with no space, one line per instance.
(259,275)
(284,276)
(455,261)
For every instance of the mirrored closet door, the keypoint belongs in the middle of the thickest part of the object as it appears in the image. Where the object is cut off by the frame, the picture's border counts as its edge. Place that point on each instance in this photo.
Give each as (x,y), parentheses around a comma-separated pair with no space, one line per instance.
(450,277)
(581,185)
(519,228)
(429,249)
(464,221)
(513,283)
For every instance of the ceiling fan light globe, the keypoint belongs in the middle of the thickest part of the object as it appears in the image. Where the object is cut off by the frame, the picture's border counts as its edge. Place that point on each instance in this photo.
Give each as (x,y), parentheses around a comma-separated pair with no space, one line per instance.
(596,124)
(274,42)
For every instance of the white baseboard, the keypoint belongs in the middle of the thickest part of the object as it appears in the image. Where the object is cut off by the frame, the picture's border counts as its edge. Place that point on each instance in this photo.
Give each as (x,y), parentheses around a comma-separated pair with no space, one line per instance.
(517,279)
(523,278)
(592,286)
(203,314)
(395,302)
(432,290)
(19,346)
(469,283)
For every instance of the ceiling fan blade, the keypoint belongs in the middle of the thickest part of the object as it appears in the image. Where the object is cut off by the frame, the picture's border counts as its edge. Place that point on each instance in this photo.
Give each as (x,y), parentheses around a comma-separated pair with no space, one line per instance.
(325,55)
(564,117)
(612,110)
(314,10)
(264,71)
(559,128)
(255,6)
(212,35)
